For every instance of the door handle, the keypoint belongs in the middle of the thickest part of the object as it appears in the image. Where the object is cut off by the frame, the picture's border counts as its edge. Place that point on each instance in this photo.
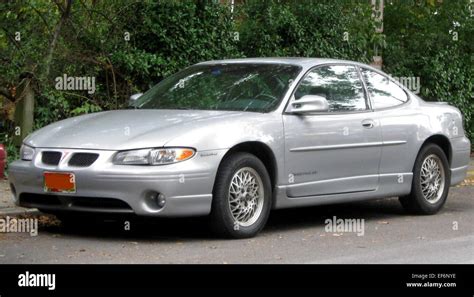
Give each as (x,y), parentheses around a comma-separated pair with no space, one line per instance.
(368,124)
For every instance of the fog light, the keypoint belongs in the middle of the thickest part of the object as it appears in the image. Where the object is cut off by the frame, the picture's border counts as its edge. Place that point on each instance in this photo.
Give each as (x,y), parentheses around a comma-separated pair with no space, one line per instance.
(161,200)
(158,198)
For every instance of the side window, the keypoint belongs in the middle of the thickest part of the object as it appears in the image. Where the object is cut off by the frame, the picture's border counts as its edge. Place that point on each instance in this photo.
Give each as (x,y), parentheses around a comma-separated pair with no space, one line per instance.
(383,92)
(339,84)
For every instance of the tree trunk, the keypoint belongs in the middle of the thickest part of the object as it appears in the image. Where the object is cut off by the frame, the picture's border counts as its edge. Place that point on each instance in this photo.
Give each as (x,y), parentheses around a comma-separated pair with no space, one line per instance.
(24,111)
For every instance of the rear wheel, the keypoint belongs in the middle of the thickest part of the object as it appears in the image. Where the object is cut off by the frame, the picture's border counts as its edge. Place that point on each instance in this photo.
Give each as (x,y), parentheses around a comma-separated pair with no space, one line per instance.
(431,181)
(241,197)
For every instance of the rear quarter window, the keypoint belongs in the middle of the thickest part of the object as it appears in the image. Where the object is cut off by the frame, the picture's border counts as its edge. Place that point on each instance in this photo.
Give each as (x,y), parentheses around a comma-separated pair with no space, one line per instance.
(383,92)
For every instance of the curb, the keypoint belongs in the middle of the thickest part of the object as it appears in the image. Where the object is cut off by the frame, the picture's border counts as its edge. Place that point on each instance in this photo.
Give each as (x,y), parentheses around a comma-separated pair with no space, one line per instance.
(17,211)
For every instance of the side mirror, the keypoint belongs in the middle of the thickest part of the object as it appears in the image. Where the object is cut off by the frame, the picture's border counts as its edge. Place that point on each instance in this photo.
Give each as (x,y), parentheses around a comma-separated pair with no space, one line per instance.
(133,99)
(308,104)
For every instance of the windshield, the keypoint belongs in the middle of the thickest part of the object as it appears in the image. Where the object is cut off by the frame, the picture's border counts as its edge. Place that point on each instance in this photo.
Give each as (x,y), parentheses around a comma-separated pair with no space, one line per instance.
(242,87)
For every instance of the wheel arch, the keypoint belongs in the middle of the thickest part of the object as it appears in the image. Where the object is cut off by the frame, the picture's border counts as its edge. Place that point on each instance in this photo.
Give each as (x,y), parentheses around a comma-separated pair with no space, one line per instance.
(263,152)
(443,142)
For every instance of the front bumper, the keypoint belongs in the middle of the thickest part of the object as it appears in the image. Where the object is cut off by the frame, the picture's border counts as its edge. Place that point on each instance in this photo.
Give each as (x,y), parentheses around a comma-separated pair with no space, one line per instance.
(187,186)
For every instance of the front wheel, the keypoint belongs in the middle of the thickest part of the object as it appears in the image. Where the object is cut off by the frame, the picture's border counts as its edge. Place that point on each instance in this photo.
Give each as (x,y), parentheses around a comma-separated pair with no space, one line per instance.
(242,197)
(431,181)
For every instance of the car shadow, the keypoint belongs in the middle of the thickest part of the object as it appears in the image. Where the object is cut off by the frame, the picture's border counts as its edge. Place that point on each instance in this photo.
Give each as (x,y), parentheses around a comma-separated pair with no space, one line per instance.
(300,218)
(194,229)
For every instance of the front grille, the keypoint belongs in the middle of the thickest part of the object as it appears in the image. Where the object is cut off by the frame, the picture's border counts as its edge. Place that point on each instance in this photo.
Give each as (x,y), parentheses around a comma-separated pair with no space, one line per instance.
(83,159)
(106,203)
(27,199)
(73,202)
(51,158)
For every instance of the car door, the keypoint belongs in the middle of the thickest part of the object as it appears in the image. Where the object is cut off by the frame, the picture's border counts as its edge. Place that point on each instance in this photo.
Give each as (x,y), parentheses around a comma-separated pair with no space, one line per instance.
(399,126)
(337,151)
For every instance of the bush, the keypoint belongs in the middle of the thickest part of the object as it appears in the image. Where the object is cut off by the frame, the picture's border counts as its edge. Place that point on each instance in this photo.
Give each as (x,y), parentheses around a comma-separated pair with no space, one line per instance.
(165,36)
(332,29)
(434,41)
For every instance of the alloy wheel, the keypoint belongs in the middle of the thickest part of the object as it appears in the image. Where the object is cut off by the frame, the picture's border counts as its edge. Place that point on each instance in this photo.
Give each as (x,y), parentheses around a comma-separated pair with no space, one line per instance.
(246,196)
(432,178)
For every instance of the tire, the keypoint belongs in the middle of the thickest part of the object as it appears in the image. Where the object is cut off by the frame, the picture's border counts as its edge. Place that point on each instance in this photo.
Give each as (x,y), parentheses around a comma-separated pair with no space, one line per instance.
(423,199)
(237,212)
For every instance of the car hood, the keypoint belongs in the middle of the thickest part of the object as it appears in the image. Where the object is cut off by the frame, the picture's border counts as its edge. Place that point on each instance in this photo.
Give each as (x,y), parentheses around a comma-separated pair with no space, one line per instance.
(124,129)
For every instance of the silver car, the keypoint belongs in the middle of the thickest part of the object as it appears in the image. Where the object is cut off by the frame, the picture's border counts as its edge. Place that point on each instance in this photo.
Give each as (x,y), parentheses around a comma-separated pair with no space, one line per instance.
(233,139)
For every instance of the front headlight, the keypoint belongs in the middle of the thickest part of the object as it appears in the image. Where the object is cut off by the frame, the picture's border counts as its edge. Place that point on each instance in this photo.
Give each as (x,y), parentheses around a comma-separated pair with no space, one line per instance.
(153,156)
(26,152)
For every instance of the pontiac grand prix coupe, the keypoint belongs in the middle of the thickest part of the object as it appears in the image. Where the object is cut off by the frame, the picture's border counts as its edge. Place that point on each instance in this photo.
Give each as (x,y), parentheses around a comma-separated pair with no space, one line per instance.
(233,139)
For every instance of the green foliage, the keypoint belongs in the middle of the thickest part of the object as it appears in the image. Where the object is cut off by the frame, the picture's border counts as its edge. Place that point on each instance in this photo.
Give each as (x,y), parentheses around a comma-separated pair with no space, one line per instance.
(85,108)
(128,46)
(51,106)
(434,42)
(167,36)
(328,29)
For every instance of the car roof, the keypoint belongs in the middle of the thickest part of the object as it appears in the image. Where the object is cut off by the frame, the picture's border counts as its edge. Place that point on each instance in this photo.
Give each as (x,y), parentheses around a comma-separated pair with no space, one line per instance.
(303,62)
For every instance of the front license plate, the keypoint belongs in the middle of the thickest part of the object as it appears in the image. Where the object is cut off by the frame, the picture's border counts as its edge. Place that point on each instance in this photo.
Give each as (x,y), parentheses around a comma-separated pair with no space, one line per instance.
(59,182)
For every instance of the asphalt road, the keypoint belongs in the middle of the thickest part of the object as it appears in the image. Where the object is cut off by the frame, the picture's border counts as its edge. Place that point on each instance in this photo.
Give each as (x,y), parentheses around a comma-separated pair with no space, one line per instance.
(291,236)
